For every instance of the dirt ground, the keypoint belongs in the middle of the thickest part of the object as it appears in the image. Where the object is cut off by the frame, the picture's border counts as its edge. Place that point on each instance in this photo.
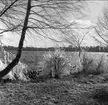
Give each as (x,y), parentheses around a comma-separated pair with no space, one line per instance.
(66,91)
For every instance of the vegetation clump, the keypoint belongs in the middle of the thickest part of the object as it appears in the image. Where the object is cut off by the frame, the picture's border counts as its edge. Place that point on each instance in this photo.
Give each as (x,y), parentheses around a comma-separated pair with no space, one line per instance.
(101,95)
(55,64)
(90,66)
(19,72)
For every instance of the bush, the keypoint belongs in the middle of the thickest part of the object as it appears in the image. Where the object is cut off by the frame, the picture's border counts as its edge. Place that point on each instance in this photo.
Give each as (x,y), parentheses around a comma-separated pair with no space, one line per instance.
(55,64)
(86,63)
(32,74)
(19,72)
(101,95)
(100,67)
(90,66)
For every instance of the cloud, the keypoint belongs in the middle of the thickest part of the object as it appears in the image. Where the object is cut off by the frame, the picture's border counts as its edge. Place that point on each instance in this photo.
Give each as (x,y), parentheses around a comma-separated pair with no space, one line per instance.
(10,39)
(83,23)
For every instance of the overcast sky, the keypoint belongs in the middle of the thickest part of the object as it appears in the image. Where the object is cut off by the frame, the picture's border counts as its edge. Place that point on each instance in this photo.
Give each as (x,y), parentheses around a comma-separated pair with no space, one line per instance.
(94,10)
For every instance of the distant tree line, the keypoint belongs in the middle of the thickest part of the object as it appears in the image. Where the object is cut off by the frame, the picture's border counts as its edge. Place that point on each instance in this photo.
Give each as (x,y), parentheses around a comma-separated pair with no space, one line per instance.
(69,48)
(89,49)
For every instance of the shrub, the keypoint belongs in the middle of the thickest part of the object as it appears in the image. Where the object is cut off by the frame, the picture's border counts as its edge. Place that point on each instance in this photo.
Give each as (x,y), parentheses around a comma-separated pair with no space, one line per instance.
(55,64)
(19,72)
(101,95)
(86,62)
(33,73)
(100,67)
(90,66)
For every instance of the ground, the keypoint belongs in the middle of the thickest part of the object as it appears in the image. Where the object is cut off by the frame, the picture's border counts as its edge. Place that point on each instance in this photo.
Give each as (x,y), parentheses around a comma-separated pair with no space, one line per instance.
(69,90)
(65,91)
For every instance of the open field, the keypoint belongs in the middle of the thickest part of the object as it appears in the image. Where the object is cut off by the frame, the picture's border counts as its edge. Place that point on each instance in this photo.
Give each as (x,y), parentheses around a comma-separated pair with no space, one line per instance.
(53,92)
(32,58)
(65,91)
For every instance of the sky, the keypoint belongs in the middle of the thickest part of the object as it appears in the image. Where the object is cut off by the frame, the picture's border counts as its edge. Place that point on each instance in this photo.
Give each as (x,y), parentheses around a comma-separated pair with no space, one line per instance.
(94,10)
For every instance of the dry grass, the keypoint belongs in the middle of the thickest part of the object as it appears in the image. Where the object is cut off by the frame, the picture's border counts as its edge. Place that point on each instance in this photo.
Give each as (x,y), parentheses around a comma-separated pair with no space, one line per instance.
(90,65)
(50,92)
(98,65)
(55,64)
(19,72)
(65,91)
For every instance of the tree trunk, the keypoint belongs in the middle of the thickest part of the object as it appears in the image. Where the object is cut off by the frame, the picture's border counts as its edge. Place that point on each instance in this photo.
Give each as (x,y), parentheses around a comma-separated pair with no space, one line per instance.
(18,55)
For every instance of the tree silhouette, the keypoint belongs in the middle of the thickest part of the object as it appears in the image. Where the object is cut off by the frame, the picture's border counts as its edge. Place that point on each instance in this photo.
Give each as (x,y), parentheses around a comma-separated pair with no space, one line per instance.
(36,17)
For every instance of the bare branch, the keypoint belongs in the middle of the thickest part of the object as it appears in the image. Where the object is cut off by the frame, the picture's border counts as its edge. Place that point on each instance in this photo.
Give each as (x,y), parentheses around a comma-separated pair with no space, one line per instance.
(6,9)
(102,26)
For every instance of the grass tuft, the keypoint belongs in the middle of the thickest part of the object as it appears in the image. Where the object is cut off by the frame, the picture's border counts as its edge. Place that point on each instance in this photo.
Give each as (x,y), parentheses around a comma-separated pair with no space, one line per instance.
(55,64)
(89,66)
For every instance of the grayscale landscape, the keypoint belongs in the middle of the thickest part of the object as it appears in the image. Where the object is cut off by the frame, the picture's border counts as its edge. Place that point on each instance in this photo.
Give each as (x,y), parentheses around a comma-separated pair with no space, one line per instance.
(53,52)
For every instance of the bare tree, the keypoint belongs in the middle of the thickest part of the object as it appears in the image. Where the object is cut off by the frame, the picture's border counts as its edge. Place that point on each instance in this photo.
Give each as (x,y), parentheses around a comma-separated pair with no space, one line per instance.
(5,6)
(16,60)
(36,17)
(102,28)
(76,36)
